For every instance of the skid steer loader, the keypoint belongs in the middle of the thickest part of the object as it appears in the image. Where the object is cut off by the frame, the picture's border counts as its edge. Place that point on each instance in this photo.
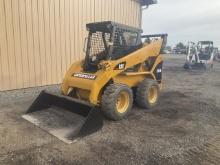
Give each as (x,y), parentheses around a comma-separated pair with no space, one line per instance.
(200,55)
(117,69)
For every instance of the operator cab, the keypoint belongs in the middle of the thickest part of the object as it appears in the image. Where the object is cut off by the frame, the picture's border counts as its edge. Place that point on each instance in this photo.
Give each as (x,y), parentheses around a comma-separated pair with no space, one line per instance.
(205,49)
(109,41)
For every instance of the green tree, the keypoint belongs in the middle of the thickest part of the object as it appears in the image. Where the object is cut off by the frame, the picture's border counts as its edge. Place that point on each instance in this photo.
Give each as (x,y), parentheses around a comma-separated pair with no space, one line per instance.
(169,48)
(180,46)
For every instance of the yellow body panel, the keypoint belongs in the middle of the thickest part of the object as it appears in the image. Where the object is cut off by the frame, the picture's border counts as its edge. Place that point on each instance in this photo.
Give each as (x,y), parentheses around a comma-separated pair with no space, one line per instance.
(131,81)
(107,73)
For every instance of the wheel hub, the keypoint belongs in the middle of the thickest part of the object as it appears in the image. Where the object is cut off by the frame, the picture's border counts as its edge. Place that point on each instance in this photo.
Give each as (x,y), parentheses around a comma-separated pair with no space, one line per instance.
(152,94)
(122,102)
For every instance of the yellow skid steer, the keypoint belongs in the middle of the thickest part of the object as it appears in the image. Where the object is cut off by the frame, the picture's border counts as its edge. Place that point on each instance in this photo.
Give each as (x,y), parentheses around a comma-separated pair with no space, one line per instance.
(120,67)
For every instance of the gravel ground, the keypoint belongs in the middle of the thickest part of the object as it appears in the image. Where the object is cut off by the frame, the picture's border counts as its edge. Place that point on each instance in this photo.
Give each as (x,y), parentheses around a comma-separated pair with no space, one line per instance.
(183,129)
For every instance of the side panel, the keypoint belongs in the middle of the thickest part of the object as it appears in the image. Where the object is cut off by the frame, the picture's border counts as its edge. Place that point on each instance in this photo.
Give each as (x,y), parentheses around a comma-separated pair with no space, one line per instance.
(131,81)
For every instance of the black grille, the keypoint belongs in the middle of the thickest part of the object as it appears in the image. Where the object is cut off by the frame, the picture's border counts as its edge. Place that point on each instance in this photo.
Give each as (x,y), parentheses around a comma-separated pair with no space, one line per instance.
(97,46)
(125,42)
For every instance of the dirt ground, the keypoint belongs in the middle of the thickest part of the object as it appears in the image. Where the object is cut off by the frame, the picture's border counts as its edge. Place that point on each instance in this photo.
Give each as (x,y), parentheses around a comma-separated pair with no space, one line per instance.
(183,129)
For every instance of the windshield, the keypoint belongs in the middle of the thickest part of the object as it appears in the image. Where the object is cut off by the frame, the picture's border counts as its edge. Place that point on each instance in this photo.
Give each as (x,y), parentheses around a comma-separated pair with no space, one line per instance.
(125,42)
(204,48)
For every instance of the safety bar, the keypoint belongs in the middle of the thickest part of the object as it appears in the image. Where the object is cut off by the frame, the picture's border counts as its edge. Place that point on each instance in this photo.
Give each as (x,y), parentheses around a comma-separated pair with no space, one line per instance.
(155,35)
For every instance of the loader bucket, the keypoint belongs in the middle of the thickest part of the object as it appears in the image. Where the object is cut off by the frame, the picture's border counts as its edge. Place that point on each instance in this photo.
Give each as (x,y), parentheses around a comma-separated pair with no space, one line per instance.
(64,117)
(199,66)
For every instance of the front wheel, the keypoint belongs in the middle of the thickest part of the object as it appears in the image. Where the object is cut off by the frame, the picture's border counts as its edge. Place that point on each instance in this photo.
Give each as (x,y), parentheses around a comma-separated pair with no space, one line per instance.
(148,93)
(187,66)
(117,101)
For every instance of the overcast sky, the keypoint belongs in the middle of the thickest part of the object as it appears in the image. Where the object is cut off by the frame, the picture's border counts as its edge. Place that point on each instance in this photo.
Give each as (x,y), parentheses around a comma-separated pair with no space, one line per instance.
(184,20)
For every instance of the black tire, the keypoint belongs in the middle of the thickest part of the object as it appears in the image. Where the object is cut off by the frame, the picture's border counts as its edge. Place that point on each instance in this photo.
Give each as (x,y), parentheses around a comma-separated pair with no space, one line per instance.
(110,101)
(205,67)
(187,66)
(142,95)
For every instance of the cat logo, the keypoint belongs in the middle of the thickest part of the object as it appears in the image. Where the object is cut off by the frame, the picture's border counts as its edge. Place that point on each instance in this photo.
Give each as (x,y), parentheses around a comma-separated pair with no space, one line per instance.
(120,66)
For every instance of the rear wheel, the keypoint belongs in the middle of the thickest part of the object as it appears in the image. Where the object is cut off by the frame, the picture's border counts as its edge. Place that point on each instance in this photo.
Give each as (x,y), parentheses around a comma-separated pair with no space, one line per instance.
(205,66)
(117,101)
(217,58)
(148,92)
